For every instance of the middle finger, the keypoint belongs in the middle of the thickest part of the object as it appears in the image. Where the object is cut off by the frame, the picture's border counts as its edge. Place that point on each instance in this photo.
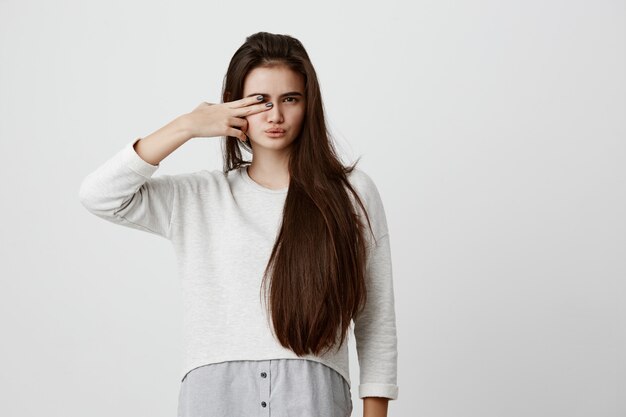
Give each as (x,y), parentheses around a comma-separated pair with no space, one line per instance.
(253,109)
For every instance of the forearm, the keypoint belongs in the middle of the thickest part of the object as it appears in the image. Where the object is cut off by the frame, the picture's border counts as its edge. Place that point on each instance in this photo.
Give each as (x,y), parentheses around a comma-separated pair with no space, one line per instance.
(375,406)
(158,145)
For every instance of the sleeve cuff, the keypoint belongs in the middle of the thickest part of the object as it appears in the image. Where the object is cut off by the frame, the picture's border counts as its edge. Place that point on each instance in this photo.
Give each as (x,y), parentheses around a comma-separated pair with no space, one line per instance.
(134,161)
(378,390)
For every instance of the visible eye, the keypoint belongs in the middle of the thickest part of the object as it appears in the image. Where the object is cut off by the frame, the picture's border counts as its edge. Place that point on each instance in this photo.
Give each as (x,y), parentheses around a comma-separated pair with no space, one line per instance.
(295,100)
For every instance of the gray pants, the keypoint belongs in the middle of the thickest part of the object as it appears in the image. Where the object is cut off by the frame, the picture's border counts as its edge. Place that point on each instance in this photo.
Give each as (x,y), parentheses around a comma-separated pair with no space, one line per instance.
(267,388)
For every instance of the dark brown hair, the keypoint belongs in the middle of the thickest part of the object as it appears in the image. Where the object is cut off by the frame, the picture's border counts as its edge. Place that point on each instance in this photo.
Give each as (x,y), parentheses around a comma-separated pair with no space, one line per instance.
(317,265)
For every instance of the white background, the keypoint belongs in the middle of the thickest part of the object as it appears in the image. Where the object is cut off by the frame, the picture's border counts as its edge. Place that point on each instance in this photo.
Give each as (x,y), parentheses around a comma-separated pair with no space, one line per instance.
(495,132)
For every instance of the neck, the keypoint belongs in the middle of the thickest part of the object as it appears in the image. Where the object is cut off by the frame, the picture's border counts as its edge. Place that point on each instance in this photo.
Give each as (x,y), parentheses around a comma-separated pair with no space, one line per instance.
(270,169)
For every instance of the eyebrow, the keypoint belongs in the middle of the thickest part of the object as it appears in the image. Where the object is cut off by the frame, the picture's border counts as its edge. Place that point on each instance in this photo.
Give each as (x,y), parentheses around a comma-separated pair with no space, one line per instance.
(291,93)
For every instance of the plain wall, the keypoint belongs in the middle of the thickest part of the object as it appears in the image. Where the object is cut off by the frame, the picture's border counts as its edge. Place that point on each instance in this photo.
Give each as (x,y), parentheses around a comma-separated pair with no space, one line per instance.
(495,132)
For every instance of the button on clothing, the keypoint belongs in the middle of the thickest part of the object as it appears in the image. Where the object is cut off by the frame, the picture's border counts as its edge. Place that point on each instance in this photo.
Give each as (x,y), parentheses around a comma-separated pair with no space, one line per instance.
(267,388)
(213,219)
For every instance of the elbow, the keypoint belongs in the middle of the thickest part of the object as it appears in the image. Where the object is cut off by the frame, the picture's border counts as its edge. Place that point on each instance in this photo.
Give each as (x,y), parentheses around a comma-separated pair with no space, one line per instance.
(85,194)
(92,198)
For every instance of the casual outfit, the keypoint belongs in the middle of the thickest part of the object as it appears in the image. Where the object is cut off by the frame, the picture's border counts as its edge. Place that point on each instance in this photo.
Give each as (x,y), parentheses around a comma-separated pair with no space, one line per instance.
(222,228)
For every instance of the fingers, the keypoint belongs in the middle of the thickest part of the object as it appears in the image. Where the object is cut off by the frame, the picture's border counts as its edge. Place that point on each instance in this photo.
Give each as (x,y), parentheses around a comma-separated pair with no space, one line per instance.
(238,122)
(240,125)
(252,109)
(239,134)
(246,101)
(249,105)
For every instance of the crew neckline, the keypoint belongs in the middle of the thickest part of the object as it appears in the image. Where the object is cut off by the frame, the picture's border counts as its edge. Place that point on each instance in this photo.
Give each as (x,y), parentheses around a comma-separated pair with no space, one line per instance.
(244,173)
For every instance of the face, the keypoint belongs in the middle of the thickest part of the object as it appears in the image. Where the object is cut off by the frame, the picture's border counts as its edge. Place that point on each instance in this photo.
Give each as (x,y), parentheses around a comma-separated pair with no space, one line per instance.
(285,89)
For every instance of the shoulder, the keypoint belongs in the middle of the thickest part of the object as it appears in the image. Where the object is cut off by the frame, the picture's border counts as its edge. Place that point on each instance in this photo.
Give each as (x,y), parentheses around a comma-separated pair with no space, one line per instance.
(199,182)
(366,188)
(362,181)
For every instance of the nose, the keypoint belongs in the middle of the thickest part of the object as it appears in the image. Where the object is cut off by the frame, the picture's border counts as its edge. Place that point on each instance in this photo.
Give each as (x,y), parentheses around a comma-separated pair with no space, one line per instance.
(274,114)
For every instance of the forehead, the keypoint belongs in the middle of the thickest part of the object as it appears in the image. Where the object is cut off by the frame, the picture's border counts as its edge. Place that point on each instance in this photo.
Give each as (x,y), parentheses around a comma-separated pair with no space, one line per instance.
(273,81)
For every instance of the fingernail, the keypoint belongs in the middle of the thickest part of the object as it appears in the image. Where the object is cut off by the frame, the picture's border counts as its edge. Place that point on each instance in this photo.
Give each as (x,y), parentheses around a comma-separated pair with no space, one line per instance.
(270,104)
(259,98)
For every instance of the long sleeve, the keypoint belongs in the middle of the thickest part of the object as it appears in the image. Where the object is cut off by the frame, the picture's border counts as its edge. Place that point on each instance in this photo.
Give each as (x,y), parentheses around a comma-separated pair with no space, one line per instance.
(375,326)
(122,191)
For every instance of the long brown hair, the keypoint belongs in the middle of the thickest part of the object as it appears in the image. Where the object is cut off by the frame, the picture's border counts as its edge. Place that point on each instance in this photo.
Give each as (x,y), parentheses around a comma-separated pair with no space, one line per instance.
(317,265)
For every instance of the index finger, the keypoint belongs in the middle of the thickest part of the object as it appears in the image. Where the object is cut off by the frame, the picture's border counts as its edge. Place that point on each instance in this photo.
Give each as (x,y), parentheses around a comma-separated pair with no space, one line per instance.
(246,101)
(251,107)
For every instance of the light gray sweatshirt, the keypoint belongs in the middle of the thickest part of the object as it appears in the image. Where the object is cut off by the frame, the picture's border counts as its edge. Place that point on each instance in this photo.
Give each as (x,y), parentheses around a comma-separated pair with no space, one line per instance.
(222,228)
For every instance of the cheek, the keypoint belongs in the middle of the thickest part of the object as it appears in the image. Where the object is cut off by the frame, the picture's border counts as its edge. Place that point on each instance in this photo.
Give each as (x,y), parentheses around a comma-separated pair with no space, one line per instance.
(300,117)
(296,114)
(253,121)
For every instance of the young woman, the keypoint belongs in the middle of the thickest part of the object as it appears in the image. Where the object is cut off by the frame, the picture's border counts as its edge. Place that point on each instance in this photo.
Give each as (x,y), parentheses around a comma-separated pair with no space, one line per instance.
(276,255)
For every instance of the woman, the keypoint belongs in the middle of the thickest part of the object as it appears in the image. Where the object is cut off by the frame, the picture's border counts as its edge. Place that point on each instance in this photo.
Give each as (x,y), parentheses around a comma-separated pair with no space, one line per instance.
(276,255)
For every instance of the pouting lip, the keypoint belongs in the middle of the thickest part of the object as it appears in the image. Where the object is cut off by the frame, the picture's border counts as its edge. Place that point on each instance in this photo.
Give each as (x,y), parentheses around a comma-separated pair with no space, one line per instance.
(274,130)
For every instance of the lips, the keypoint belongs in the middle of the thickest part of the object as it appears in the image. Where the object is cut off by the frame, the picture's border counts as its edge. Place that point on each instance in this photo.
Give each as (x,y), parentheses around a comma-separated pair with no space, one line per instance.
(275,131)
